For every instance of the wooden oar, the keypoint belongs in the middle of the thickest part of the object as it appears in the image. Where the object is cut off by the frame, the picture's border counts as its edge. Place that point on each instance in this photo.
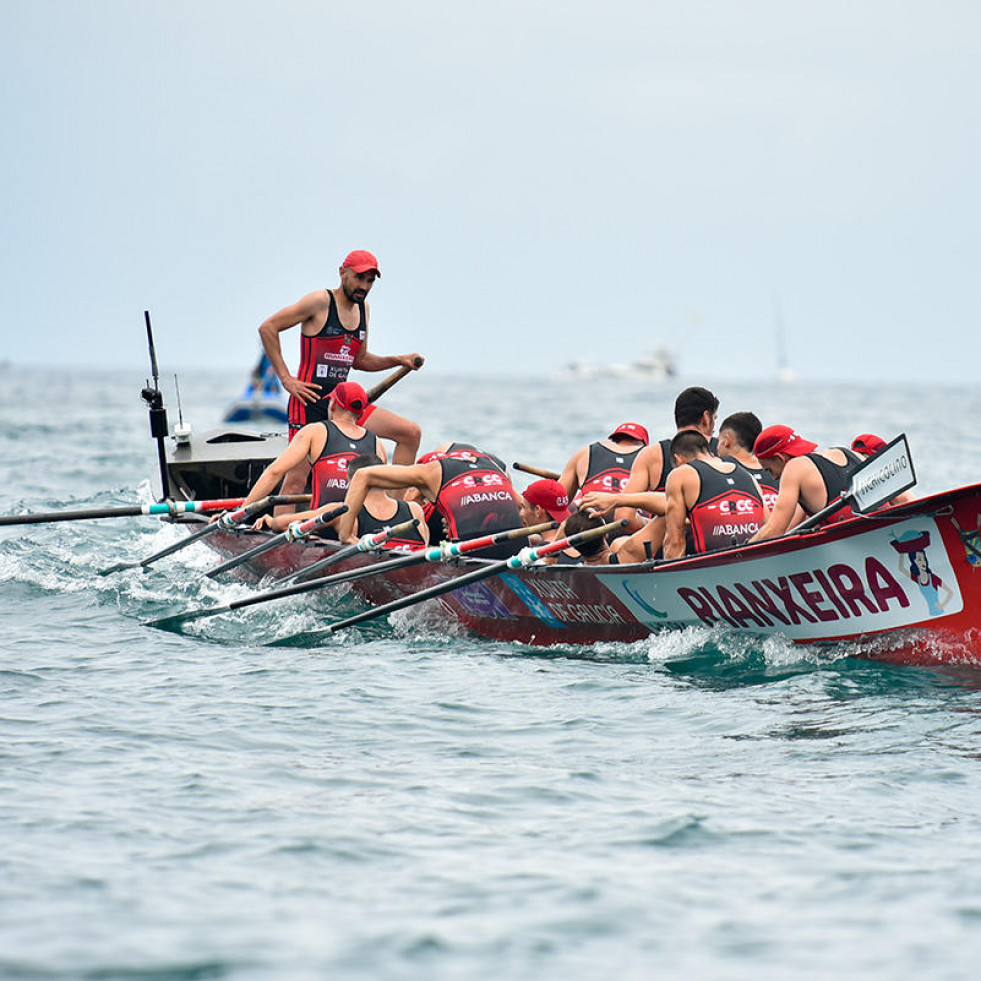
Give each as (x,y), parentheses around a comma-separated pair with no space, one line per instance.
(445,550)
(225,522)
(396,376)
(297,531)
(516,562)
(129,511)
(536,471)
(369,543)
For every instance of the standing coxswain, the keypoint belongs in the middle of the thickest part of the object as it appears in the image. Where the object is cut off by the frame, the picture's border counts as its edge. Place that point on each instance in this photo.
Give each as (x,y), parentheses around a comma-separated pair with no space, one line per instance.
(333,340)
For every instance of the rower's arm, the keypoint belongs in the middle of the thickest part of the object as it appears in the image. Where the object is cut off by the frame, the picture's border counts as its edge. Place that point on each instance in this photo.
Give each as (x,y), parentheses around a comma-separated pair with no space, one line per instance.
(633,548)
(303,311)
(281,522)
(422,527)
(645,475)
(570,477)
(785,510)
(272,476)
(675,514)
(424,476)
(364,360)
(650,501)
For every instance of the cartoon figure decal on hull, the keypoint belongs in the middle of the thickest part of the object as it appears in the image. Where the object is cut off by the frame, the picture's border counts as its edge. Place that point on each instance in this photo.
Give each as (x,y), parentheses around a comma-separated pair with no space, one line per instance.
(913,562)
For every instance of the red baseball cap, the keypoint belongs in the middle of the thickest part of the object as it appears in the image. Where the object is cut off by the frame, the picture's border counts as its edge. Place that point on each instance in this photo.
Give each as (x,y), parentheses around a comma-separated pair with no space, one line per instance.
(432,455)
(550,495)
(868,443)
(350,396)
(632,429)
(361,261)
(781,439)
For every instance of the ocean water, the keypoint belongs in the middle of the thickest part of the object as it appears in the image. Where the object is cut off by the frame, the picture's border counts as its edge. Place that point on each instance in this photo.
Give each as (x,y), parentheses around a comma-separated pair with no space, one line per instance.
(405,802)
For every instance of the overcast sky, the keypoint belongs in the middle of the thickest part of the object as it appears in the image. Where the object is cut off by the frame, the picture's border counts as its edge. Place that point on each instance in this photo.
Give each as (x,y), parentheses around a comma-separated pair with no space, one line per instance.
(540,181)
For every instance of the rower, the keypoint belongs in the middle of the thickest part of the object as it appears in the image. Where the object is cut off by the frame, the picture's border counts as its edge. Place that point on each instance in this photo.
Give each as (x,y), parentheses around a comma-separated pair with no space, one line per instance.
(719,499)
(333,340)
(695,409)
(543,501)
(737,434)
(604,466)
(380,511)
(326,447)
(437,527)
(810,478)
(869,444)
(469,492)
(592,551)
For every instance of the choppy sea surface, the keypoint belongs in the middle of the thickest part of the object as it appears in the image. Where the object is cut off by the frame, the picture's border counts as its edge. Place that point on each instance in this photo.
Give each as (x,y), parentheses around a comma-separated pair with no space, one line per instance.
(400,803)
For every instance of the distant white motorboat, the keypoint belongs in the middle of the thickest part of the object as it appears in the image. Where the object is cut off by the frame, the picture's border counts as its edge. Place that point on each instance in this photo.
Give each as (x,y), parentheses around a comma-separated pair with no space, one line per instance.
(658,365)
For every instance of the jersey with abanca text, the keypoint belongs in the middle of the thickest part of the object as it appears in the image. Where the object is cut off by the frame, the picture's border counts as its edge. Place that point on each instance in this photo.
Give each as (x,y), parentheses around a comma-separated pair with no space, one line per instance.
(728,510)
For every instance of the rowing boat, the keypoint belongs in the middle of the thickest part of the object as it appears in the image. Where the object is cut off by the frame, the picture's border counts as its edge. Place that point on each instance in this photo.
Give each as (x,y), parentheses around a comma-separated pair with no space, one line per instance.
(900,585)
(893,583)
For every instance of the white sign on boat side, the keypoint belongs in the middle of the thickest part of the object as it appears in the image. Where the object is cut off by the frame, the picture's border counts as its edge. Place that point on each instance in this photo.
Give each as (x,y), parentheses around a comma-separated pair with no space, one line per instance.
(883,476)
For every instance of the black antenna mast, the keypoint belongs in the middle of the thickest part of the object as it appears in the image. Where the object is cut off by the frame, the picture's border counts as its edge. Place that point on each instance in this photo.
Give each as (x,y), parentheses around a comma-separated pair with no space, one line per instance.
(158,414)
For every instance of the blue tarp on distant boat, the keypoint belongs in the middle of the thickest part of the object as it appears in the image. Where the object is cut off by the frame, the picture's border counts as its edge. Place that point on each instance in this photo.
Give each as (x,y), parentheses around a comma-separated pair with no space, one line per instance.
(263,399)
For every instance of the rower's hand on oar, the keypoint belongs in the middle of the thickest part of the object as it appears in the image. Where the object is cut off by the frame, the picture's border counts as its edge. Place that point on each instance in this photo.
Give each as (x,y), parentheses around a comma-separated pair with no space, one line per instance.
(597,502)
(304,391)
(413,361)
(270,521)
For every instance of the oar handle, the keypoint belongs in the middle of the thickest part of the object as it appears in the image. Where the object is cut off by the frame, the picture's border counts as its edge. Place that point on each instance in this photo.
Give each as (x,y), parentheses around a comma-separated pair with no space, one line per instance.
(281,539)
(227,521)
(449,550)
(303,529)
(396,376)
(572,541)
(370,543)
(536,471)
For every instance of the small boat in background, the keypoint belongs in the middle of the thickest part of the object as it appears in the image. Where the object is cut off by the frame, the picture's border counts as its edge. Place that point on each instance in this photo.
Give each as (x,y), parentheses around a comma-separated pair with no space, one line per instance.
(262,401)
(658,366)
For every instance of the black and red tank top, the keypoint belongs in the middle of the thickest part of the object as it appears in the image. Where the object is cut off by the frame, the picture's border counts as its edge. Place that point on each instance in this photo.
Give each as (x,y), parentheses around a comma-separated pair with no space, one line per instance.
(728,510)
(667,460)
(765,481)
(460,451)
(837,480)
(607,470)
(329,480)
(325,360)
(368,524)
(476,499)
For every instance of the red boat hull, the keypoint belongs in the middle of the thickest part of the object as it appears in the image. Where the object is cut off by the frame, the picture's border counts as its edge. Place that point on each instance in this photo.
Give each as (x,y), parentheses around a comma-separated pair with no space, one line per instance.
(902,585)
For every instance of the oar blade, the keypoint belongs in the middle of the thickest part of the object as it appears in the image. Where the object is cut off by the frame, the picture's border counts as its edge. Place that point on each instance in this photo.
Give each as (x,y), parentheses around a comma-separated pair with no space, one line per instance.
(177,620)
(169,550)
(118,567)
